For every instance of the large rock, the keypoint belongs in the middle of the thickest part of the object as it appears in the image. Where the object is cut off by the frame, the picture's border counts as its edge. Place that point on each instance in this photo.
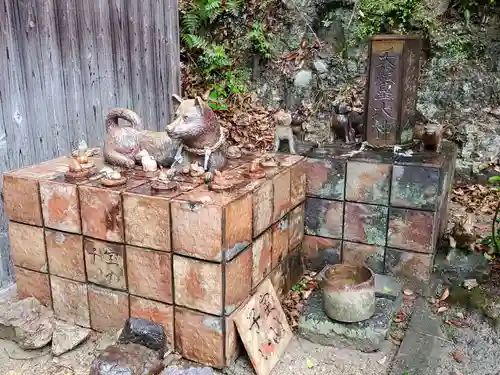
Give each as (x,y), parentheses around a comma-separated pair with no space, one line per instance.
(143,332)
(27,322)
(460,265)
(126,359)
(67,337)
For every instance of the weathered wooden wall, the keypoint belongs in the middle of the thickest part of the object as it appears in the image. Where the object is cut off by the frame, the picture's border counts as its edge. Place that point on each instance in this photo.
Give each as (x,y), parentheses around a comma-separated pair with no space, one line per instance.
(65,63)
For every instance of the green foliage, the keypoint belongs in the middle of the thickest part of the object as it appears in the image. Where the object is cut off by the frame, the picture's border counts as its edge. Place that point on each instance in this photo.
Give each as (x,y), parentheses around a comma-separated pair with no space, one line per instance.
(300,286)
(470,8)
(493,240)
(259,41)
(206,30)
(395,16)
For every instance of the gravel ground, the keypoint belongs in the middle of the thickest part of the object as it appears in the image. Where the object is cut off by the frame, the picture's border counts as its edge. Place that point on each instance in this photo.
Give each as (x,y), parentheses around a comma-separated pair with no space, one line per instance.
(472,350)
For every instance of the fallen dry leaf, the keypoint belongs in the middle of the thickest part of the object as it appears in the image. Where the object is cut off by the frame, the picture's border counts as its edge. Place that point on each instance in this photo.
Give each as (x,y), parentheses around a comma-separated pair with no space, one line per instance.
(442,309)
(445,295)
(459,356)
(456,323)
(408,292)
(395,341)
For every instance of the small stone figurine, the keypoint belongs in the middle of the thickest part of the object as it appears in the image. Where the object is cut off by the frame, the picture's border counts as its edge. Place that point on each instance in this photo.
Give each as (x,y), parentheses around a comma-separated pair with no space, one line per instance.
(284,130)
(147,161)
(112,178)
(432,137)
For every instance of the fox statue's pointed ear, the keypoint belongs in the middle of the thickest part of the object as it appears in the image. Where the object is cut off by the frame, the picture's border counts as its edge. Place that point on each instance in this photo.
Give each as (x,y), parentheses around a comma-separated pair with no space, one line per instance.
(177,99)
(200,103)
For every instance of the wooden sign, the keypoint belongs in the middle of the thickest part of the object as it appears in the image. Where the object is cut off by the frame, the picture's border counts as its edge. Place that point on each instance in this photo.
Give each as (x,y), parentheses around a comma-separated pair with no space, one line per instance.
(263,328)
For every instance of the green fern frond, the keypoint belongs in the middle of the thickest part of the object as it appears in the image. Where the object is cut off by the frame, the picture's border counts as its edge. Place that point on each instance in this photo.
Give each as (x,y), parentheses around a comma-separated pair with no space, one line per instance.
(191,22)
(195,41)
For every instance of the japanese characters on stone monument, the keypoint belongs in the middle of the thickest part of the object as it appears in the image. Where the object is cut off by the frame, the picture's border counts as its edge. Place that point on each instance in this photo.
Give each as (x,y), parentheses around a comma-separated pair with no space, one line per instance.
(390,103)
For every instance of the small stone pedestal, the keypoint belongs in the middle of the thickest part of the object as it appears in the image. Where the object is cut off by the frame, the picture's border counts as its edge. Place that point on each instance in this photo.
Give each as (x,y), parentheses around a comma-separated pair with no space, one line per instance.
(384,209)
(366,336)
(185,259)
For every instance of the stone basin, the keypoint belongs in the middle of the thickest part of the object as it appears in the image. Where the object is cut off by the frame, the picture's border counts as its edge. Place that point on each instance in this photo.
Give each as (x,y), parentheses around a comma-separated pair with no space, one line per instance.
(348,293)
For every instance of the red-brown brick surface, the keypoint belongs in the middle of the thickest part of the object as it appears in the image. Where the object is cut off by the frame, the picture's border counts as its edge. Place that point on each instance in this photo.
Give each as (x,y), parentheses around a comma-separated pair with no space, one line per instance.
(156,312)
(298,177)
(102,211)
(109,309)
(65,254)
(263,203)
(22,200)
(238,280)
(70,301)
(261,250)
(105,263)
(33,284)
(147,217)
(282,203)
(197,223)
(60,206)
(281,232)
(199,337)
(149,273)
(296,227)
(198,284)
(28,246)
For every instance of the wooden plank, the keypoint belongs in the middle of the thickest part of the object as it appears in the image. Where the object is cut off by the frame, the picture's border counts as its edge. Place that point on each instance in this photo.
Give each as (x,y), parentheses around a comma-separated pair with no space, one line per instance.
(23,74)
(160,67)
(173,50)
(120,48)
(135,48)
(74,94)
(148,85)
(263,328)
(90,73)
(104,50)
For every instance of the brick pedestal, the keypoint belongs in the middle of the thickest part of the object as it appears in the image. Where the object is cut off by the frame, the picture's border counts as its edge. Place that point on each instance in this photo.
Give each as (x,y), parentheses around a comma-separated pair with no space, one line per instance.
(186,259)
(378,208)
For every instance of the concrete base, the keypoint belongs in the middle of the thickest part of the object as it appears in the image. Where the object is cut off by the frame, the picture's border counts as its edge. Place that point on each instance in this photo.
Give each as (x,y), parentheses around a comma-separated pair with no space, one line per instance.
(367,336)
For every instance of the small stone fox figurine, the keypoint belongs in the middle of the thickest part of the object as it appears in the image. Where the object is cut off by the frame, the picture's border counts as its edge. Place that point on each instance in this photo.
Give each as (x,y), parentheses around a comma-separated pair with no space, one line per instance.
(432,137)
(284,130)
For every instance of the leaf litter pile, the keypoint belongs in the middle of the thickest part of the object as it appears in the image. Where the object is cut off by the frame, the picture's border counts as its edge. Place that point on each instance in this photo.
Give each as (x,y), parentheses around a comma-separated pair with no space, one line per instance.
(293,303)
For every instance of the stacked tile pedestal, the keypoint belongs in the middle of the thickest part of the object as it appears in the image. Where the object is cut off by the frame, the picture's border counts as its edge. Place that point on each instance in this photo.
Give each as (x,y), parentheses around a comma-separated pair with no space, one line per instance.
(379,208)
(186,259)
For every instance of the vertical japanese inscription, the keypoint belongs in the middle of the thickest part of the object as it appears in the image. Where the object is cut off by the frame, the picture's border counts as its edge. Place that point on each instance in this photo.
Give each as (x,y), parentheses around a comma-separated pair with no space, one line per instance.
(410,82)
(263,328)
(104,263)
(383,101)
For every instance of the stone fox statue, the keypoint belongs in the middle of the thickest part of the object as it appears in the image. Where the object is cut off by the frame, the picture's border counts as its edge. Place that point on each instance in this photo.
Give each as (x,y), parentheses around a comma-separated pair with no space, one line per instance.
(123,144)
(200,136)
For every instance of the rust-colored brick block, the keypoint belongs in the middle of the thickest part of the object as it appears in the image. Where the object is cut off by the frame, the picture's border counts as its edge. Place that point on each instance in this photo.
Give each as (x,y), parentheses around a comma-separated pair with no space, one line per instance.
(105,263)
(156,312)
(198,284)
(294,268)
(415,266)
(33,284)
(318,252)
(412,230)
(364,255)
(109,309)
(28,246)
(60,206)
(262,250)
(21,190)
(22,200)
(281,186)
(211,225)
(102,212)
(149,273)
(70,301)
(199,337)
(233,344)
(296,227)
(281,232)
(65,254)
(298,178)
(238,280)
(278,279)
(263,204)
(147,217)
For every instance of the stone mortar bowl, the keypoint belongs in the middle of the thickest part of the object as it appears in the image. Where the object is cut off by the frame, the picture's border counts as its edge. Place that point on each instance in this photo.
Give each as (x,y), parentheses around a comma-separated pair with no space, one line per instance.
(348,293)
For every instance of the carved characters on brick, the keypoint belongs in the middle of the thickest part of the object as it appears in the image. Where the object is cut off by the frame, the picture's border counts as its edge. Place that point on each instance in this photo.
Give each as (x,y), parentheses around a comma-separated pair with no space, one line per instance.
(383,112)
